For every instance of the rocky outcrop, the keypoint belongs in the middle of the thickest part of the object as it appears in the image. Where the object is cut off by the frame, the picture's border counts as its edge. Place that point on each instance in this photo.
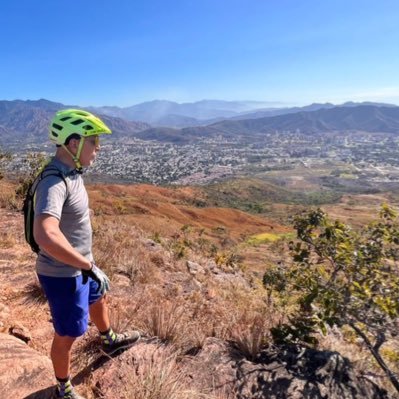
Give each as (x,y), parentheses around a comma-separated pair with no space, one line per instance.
(280,373)
(292,372)
(22,369)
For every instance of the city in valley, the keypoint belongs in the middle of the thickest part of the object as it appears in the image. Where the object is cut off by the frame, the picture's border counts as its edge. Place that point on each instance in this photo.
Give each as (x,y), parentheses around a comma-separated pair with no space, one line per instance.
(353,160)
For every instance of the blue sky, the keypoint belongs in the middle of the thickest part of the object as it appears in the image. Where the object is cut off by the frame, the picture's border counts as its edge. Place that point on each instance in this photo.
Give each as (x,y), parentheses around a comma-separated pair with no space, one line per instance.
(126,52)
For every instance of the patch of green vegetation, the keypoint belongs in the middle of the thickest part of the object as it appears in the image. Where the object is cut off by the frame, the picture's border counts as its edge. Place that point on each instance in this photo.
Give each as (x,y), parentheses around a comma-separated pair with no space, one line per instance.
(318,198)
(348,186)
(263,238)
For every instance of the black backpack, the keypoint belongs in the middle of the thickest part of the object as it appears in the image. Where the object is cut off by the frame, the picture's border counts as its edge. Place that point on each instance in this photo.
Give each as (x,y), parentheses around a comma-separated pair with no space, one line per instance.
(29,205)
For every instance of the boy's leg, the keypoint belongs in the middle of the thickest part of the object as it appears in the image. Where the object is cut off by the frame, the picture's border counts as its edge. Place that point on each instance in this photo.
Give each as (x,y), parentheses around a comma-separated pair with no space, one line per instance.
(98,310)
(99,314)
(68,301)
(61,355)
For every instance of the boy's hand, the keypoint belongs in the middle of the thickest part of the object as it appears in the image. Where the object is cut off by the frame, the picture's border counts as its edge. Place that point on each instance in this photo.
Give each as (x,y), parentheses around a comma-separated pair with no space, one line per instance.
(97,275)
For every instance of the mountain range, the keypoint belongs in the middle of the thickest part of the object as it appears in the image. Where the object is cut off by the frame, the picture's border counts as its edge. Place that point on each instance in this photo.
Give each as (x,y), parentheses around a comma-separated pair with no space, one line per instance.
(202,113)
(20,120)
(172,114)
(367,118)
(312,107)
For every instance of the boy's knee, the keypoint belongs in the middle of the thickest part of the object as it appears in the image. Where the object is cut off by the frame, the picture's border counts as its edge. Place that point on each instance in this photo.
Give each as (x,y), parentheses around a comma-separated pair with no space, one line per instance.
(102,300)
(63,341)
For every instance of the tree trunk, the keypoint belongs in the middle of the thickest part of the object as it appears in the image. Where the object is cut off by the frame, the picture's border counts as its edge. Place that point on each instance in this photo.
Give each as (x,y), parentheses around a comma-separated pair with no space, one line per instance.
(375,352)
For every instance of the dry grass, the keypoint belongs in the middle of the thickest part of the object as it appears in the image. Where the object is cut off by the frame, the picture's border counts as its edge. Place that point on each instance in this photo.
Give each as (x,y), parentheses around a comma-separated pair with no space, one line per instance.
(159,379)
(8,239)
(184,320)
(34,295)
(163,378)
(8,198)
(251,334)
(119,249)
(165,321)
(123,316)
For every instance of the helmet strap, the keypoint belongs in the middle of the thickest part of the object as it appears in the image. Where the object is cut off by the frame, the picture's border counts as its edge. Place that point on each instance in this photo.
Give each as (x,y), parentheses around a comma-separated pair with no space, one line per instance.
(76,158)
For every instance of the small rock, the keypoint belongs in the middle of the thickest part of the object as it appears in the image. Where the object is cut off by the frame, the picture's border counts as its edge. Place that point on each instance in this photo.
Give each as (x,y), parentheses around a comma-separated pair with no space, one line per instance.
(194,268)
(151,245)
(191,285)
(212,265)
(4,308)
(20,332)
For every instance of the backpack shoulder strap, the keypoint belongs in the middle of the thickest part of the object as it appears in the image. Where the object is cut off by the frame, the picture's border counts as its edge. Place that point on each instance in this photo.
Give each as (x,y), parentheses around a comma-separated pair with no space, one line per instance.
(48,171)
(28,206)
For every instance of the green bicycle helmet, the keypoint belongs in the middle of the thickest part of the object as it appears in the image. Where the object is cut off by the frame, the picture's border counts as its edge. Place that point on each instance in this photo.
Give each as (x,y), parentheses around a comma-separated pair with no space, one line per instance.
(75,121)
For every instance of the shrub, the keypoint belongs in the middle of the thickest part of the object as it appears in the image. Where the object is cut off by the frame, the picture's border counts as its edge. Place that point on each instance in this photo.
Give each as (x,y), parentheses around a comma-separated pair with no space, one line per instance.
(343,277)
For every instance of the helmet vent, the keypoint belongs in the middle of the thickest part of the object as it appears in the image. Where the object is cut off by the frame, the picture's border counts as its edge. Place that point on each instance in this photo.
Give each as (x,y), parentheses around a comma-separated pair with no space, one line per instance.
(77,122)
(87,127)
(54,133)
(65,118)
(56,126)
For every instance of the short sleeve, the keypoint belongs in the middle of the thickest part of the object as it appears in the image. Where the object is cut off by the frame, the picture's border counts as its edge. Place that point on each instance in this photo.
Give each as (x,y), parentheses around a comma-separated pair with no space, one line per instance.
(50,196)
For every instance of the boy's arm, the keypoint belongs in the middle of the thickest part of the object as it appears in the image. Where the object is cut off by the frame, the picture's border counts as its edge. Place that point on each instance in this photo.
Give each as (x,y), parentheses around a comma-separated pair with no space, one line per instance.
(49,237)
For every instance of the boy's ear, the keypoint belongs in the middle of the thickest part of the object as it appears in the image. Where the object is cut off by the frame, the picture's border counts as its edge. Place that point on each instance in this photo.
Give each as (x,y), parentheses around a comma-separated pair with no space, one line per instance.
(73,144)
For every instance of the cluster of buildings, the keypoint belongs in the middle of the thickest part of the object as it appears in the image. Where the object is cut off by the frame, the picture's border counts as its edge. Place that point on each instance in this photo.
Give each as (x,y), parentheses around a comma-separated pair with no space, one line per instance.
(369,155)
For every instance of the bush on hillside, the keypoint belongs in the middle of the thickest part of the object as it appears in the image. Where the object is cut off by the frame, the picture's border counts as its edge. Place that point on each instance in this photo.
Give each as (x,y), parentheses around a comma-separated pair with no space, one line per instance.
(35,162)
(341,277)
(4,157)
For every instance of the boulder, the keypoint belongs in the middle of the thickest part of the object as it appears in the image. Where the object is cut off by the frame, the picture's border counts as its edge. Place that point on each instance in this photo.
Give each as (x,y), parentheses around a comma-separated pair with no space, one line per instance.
(23,370)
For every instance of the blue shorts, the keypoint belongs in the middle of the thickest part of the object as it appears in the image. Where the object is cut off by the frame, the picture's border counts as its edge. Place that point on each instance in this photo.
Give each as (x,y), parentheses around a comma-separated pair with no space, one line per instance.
(69,302)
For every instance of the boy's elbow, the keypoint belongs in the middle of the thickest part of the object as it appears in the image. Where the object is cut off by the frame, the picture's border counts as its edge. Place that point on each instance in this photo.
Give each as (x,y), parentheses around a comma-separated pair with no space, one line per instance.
(43,230)
(39,235)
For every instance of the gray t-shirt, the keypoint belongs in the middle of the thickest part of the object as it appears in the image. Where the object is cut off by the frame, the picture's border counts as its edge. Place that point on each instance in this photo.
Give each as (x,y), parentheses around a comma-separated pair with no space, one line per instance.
(71,207)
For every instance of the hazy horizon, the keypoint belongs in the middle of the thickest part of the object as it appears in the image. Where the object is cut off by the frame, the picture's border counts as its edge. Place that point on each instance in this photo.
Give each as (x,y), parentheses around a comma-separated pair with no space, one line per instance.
(261,104)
